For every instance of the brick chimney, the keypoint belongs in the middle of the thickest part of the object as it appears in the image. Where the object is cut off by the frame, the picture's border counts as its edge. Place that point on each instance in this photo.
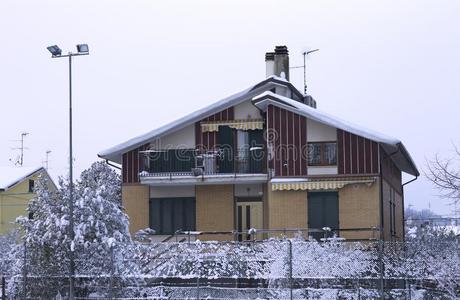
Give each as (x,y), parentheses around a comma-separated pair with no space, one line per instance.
(269,64)
(281,62)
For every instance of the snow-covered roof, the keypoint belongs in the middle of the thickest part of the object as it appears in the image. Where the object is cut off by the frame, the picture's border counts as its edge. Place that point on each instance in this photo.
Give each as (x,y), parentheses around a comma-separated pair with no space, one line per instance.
(400,155)
(10,176)
(114,153)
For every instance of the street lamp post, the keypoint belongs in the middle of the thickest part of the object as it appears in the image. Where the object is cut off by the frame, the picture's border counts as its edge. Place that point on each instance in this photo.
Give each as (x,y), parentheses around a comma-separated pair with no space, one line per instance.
(56,52)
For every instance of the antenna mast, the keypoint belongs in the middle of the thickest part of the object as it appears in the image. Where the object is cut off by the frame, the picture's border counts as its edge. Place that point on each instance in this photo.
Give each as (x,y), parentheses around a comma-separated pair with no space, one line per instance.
(47,159)
(304,66)
(20,160)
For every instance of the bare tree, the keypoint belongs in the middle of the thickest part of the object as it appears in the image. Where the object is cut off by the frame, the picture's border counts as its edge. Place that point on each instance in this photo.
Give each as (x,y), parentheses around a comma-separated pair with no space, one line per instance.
(444,173)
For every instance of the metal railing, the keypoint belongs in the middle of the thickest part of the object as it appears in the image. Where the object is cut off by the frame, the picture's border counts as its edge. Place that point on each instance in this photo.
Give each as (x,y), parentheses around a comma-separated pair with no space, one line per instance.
(193,162)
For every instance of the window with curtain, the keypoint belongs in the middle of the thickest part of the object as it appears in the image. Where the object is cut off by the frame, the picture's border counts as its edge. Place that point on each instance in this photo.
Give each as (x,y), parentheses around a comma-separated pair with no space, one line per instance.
(322,154)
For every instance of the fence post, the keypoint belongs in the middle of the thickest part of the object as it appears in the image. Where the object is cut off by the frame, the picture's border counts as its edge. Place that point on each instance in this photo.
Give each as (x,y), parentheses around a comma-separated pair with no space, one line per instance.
(381,269)
(410,291)
(198,282)
(290,269)
(24,270)
(112,266)
(3,288)
(359,291)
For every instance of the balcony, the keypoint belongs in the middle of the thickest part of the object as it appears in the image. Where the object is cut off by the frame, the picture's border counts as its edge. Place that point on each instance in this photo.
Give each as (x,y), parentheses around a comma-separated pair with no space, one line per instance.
(192,166)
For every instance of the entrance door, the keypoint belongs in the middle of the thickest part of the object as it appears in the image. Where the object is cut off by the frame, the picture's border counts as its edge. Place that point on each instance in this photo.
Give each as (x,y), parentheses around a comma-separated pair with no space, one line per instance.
(248,215)
(227,145)
(323,211)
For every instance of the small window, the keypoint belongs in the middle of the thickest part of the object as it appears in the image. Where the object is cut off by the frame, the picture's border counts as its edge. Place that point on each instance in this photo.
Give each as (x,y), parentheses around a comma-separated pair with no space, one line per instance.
(322,154)
(31,185)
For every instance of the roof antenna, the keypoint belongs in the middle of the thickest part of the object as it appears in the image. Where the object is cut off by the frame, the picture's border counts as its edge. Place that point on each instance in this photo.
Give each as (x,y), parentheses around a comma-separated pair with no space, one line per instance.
(20,161)
(305,53)
(46,161)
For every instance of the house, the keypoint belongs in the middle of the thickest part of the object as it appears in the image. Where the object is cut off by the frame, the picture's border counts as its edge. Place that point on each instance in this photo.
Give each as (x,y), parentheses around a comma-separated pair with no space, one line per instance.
(16,189)
(264,158)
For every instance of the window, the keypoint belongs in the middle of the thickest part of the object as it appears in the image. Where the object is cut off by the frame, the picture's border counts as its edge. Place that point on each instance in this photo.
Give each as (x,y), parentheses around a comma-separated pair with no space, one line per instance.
(31,185)
(322,154)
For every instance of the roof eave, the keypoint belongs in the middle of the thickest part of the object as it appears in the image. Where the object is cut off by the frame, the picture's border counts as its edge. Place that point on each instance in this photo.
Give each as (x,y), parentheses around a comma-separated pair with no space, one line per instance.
(114,153)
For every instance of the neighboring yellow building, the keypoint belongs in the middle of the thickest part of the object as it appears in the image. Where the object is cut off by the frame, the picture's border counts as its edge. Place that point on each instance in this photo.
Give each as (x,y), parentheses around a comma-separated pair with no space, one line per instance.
(16,189)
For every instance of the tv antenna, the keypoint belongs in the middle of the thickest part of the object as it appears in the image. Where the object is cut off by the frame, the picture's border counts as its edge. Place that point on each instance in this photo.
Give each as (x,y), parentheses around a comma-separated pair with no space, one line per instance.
(20,160)
(304,66)
(46,161)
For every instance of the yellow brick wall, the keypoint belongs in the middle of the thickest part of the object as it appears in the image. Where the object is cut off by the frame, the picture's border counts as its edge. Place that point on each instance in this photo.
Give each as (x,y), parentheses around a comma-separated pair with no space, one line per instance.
(286,209)
(135,198)
(215,210)
(359,208)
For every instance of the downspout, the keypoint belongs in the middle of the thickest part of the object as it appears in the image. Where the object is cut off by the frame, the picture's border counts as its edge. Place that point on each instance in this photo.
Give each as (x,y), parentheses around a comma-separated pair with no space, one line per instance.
(404,218)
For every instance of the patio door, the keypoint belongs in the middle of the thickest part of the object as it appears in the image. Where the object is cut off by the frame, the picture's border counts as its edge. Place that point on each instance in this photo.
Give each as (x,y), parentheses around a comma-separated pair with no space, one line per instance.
(226,143)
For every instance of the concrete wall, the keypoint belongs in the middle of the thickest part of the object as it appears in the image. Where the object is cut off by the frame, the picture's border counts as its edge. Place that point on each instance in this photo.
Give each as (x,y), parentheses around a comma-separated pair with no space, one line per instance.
(135,199)
(359,207)
(317,132)
(246,110)
(215,210)
(182,139)
(287,209)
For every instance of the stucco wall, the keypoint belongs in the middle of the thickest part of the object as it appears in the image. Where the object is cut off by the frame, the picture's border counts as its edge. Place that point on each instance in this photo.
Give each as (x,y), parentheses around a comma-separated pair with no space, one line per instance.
(317,132)
(246,110)
(14,203)
(182,139)
(135,198)
(215,210)
(359,208)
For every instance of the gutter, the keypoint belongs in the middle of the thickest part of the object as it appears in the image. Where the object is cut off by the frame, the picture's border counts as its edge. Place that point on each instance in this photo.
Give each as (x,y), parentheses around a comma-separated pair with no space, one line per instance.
(112,165)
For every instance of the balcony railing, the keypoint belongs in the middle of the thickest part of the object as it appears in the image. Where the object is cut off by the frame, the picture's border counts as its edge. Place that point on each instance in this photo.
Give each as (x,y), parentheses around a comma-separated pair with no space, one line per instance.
(191,162)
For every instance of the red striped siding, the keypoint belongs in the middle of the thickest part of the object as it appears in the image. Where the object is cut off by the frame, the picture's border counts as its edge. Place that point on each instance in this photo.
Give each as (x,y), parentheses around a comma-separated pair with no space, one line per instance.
(303,145)
(356,154)
(132,164)
(124,168)
(289,133)
(360,155)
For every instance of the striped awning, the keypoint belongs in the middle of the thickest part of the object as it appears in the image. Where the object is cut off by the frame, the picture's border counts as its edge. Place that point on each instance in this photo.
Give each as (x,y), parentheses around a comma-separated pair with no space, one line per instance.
(303,185)
(251,124)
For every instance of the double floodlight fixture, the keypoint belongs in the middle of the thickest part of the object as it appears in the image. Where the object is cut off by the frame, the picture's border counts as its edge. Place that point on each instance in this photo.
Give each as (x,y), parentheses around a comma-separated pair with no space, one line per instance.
(55,51)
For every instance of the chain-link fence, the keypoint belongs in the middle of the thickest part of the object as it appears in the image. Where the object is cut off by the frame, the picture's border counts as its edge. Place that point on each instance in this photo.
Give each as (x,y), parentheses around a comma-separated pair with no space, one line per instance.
(265,269)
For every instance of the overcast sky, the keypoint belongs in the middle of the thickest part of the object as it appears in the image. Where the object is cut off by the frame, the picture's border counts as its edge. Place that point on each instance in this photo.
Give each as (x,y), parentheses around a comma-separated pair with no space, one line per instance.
(390,66)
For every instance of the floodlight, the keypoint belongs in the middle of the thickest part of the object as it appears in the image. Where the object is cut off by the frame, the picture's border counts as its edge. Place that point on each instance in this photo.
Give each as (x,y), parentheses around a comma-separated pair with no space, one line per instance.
(55,50)
(82,48)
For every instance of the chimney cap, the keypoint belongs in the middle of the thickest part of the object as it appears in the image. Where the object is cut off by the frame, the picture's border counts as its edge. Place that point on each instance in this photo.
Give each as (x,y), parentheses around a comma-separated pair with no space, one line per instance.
(281,50)
(269,56)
